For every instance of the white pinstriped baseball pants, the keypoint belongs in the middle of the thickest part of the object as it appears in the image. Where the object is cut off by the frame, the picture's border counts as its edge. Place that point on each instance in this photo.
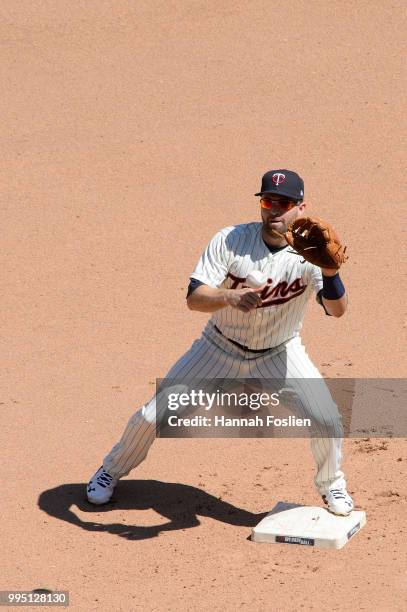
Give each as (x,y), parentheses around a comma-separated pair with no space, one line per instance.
(213,356)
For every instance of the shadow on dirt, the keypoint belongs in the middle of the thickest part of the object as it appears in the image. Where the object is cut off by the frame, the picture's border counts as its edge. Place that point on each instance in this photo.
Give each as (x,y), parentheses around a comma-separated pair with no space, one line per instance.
(180,504)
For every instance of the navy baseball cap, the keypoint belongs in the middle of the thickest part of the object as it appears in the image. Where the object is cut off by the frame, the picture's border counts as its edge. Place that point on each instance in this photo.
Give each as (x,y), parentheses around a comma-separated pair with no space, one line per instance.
(283,182)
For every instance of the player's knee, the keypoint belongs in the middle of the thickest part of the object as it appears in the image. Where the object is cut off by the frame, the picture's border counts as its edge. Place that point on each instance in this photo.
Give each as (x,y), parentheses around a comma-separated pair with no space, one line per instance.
(328,428)
(149,412)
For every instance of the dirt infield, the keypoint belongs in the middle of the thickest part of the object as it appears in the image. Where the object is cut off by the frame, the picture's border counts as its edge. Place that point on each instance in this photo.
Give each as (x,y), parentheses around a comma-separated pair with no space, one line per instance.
(132,132)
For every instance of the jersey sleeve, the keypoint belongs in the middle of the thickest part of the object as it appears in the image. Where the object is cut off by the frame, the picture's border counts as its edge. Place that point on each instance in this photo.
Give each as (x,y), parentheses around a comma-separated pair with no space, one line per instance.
(313,276)
(213,264)
(194,283)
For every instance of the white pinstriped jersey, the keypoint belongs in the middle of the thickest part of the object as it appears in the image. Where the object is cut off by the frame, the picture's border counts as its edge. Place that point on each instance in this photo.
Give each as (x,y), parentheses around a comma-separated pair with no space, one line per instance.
(234,252)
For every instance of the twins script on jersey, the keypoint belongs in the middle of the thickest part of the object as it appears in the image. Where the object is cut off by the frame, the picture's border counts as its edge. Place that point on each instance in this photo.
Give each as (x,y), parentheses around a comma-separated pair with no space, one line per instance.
(229,257)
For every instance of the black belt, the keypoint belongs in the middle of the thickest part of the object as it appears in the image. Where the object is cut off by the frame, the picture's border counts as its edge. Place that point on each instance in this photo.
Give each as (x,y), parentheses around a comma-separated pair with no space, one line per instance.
(241,346)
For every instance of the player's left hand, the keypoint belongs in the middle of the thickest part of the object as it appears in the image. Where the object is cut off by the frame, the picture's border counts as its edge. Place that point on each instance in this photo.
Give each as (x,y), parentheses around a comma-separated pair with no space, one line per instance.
(317,242)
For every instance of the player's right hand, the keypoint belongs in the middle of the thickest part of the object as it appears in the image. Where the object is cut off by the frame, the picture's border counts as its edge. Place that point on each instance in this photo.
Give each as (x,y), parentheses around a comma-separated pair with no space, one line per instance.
(245,299)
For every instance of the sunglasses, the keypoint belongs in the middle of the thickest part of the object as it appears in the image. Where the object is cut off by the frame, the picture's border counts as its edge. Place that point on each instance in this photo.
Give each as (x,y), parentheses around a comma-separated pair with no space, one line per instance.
(270,203)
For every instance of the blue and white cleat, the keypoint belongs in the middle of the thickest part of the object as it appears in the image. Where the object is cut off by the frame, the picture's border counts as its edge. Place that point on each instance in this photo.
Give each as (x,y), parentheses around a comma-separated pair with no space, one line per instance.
(338,501)
(100,487)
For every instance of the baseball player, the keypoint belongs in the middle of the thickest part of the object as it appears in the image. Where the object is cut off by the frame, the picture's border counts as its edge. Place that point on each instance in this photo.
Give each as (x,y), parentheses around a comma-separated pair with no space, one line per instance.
(252,333)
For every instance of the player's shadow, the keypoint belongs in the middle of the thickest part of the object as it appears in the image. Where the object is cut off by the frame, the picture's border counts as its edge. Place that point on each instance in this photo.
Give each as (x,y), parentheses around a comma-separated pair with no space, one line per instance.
(181,504)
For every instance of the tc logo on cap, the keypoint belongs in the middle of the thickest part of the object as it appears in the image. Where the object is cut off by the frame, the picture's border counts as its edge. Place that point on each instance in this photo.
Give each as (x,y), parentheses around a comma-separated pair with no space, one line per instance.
(278,178)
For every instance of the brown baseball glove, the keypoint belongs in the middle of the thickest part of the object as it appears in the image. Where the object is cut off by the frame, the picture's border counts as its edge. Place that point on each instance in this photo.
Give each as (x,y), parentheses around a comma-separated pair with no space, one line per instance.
(317,242)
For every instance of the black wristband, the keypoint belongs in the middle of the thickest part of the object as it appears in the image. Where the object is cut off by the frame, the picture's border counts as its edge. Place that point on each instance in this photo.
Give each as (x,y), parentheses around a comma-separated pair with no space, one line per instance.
(332,287)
